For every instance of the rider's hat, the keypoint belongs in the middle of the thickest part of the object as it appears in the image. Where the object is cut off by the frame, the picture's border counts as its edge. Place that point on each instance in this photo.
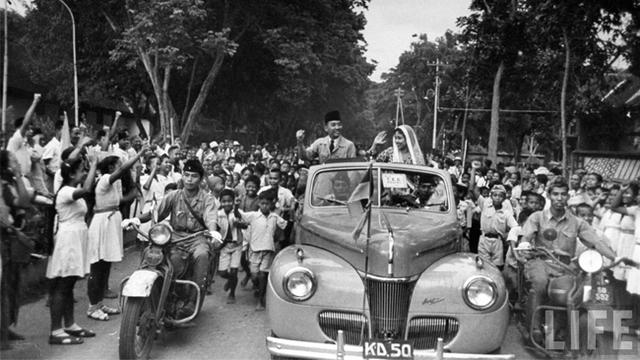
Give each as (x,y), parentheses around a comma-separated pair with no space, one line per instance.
(193,165)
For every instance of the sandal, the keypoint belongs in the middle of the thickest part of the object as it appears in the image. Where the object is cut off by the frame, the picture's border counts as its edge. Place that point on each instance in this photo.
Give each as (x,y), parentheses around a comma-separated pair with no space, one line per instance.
(65,340)
(97,314)
(109,310)
(83,333)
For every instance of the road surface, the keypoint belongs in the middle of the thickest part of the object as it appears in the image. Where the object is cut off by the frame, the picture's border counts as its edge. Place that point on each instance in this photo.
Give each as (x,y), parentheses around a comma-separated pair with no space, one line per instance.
(221,331)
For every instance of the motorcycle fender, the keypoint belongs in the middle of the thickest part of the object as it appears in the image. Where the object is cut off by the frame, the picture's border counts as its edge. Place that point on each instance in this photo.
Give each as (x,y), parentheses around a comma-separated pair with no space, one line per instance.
(140,283)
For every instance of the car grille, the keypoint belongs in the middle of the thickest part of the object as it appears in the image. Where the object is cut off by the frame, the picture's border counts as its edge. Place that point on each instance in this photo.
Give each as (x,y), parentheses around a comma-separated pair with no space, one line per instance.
(349,322)
(425,331)
(389,307)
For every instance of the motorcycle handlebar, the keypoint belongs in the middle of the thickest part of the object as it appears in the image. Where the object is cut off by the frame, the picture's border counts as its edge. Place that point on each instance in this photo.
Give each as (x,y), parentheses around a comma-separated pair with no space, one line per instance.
(188,237)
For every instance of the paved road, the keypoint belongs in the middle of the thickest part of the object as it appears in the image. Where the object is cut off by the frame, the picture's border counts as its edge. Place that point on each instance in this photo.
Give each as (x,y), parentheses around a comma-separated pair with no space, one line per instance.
(222,331)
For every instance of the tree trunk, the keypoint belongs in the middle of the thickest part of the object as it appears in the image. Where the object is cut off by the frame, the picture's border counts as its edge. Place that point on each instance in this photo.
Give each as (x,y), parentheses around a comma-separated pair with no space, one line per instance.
(492,151)
(563,101)
(463,132)
(206,86)
(183,119)
(165,101)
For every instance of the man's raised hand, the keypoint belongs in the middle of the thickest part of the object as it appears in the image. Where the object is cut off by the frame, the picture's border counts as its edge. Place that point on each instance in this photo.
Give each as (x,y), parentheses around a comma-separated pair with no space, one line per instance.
(300,135)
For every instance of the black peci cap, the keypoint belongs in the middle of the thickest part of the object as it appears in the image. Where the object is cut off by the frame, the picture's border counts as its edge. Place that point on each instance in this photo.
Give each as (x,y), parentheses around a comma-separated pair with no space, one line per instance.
(332,116)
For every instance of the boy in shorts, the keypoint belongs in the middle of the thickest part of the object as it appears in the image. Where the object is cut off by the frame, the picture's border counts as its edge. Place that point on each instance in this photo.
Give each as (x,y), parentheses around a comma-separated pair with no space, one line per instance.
(230,226)
(262,228)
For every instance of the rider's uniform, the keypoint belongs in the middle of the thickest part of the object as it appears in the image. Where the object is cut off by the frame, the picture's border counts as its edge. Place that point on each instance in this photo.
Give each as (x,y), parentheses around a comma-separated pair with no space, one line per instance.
(184,223)
(563,232)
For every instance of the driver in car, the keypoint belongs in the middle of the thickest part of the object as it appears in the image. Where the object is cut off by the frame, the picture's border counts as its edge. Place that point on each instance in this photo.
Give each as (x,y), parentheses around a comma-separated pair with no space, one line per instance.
(556,229)
(192,210)
(340,189)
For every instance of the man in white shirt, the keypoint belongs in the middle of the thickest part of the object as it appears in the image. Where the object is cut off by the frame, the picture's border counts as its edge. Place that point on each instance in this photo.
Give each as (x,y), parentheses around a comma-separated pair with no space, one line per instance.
(18,142)
(52,155)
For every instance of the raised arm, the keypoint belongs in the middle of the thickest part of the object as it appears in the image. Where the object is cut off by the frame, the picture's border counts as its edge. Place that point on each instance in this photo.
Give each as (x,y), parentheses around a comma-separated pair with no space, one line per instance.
(302,151)
(114,125)
(117,174)
(29,115)
(92,155)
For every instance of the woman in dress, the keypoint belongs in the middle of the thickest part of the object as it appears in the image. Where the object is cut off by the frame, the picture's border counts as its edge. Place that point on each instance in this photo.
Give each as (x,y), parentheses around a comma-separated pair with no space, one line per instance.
(405,148)
(626,241)
(69,262)
(105,233)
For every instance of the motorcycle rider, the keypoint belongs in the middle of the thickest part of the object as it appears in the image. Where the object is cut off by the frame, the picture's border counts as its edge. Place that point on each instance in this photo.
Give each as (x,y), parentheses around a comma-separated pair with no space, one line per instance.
(192,210)
(556,229)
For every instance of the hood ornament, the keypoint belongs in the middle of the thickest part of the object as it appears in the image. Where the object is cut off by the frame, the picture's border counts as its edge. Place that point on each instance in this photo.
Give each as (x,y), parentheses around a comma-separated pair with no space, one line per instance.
(392,244)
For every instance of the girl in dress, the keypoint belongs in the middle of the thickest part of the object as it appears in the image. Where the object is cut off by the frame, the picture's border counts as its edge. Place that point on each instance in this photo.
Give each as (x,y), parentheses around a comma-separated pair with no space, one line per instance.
(69,262)
(105,233)
(405,148)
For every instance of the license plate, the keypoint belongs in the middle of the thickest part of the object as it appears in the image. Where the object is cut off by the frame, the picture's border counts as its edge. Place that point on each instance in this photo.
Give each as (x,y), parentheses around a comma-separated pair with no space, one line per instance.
(602,295)
(387,349)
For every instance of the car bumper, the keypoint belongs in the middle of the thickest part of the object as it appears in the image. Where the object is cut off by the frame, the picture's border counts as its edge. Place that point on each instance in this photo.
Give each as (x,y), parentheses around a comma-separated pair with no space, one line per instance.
(314,350)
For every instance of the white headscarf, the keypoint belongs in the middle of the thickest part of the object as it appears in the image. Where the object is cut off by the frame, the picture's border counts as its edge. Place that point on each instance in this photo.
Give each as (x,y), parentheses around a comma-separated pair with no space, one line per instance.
(410,138)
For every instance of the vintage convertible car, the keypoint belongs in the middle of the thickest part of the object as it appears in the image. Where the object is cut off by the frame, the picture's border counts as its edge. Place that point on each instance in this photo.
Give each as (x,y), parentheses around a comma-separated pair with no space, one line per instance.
(407,282)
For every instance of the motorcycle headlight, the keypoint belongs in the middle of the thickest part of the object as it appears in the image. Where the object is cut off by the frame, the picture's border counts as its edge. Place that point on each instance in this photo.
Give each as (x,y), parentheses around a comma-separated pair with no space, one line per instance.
(480,292)
(160,234)
(299,284)
(590,261)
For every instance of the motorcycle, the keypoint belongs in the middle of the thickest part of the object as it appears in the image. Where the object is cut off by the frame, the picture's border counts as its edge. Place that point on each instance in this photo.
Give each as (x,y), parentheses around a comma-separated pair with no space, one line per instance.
(153,295)
(569,298)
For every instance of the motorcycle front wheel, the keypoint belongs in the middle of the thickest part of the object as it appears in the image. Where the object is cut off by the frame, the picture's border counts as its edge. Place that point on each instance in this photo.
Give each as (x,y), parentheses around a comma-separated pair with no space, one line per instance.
(137,329)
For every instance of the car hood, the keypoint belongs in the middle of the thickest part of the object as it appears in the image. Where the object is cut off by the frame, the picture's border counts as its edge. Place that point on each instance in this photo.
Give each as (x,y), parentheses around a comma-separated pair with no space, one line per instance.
(420,239)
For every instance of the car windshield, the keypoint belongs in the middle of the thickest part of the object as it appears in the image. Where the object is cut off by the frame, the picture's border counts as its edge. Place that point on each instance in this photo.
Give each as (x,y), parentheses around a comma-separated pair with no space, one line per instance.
(392,188)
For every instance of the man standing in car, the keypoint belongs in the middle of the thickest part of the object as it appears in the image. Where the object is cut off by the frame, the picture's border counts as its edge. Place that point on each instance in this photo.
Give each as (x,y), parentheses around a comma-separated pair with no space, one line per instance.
(332,146)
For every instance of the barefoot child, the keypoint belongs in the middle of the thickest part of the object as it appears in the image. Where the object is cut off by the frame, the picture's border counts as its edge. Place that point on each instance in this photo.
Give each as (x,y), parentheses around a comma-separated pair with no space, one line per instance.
(262,227)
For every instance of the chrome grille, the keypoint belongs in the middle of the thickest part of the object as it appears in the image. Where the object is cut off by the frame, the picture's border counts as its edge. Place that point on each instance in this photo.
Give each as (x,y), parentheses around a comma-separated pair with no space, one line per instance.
(389,306)
(349,322)
(425,331)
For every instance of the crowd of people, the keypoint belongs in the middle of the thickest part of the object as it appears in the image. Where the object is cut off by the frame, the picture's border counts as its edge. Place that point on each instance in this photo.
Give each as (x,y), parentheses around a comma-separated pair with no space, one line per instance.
(246,197)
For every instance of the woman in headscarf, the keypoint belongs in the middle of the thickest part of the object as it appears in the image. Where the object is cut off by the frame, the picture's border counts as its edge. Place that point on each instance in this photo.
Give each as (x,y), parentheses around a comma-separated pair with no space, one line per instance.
(405,148)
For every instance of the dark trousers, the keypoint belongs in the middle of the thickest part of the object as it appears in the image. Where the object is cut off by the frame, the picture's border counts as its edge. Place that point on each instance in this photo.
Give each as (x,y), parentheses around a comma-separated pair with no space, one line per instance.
(9,289)
(537,273)
(98,279)
(196,253)
(62,301)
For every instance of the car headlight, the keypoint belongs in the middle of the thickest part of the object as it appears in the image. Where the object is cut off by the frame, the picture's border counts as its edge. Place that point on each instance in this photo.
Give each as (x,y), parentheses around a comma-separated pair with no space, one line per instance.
(160,234)
(299,283)
(480,292)
(590,261)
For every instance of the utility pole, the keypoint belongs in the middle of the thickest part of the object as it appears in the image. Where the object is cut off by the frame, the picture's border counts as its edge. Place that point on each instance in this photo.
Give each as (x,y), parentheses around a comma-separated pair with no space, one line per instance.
(436,100)
(5,73)
(75,66)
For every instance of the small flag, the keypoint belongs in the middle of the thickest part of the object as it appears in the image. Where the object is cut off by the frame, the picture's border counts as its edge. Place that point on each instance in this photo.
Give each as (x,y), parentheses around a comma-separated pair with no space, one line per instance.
(361,198)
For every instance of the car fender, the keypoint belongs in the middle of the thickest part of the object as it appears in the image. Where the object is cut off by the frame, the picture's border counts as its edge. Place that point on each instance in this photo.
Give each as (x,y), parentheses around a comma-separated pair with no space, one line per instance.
(440,288)
(140,283)
(333,276)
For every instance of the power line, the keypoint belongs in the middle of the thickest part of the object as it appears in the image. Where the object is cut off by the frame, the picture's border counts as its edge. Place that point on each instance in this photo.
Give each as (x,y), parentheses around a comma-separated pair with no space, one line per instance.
(501,110)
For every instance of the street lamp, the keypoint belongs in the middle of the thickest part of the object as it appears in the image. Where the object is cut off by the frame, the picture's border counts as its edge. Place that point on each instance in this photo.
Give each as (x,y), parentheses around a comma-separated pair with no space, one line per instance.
(5,73)
(75,68)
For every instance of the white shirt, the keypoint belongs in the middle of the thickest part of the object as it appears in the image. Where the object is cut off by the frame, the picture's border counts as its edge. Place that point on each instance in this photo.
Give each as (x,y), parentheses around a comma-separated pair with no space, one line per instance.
(53,153)
(18,145)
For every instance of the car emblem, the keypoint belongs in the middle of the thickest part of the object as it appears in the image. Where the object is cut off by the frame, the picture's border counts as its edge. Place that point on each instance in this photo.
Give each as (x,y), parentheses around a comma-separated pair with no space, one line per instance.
(432,301)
